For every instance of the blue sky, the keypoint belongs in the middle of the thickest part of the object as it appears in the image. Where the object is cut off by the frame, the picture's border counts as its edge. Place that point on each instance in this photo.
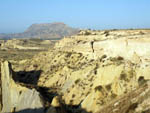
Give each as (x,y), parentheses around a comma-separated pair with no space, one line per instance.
(17,15)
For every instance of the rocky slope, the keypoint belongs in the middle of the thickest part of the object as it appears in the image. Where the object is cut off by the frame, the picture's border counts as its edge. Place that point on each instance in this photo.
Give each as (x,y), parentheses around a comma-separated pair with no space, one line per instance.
(94,72)
(44,31)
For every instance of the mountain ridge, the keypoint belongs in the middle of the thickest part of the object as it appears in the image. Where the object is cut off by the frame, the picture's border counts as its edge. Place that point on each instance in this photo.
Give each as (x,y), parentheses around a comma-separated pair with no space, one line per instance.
(56,30)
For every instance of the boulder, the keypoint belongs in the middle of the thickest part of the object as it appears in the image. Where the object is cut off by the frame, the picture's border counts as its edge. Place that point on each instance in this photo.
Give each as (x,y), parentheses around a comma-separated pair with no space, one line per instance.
(55,102)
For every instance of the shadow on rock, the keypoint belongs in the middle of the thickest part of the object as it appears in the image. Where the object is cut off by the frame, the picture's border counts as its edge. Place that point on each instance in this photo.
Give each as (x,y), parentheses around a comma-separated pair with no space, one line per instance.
(50,110)
(28,77)
(39,110)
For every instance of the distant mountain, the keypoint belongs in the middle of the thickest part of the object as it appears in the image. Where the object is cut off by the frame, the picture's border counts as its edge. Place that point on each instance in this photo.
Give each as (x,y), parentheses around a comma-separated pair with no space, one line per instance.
(4,36)
(44,31)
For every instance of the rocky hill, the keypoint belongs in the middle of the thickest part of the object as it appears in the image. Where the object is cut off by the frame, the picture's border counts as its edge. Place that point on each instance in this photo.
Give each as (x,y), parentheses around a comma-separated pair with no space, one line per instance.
(44,31)
(92,72)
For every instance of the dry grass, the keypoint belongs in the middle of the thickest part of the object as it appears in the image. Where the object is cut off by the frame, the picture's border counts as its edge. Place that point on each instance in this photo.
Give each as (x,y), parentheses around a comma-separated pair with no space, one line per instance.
(18,54)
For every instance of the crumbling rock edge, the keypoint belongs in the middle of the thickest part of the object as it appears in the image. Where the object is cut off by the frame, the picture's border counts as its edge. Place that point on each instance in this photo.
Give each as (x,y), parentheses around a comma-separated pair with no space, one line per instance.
(15,97)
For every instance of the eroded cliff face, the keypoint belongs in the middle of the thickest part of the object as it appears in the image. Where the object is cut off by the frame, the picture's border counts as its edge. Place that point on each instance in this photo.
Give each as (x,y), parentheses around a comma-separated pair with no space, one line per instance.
(90,83)
(127,43)
(96,68)
(14,97)
(94,71)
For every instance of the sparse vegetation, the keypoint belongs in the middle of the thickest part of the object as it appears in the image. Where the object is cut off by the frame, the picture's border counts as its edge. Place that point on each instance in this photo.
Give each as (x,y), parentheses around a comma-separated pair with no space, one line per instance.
(98,88)
(77,81)
(73,95)
(113,96)
(141,80)
(123,76)
(120,58)
(18,54)
(108,87)
(8,52)
(87,33)
(117,60)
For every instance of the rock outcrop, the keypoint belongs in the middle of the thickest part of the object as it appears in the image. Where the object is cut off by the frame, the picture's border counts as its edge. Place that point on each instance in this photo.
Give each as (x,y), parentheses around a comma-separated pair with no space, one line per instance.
(127,44)
(14,97)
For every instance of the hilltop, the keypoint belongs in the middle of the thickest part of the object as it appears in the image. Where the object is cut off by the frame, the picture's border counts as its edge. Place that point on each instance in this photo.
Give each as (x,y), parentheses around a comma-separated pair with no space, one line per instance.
(44,31)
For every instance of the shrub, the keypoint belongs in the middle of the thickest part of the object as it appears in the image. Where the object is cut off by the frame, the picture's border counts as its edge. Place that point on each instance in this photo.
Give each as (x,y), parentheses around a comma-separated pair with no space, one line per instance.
(98,88)
(87,33)
(77,81)
(108,87)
